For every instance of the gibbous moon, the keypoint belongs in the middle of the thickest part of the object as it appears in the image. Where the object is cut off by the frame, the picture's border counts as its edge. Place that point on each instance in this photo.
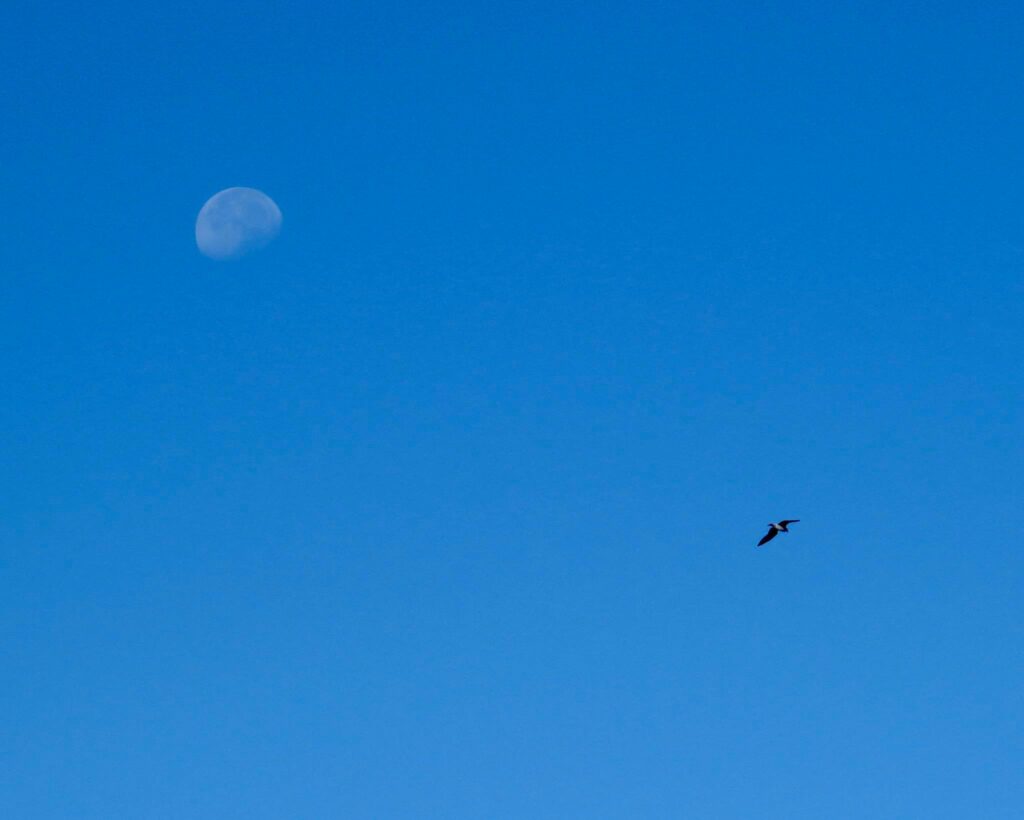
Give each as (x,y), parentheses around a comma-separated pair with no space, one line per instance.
(236,221)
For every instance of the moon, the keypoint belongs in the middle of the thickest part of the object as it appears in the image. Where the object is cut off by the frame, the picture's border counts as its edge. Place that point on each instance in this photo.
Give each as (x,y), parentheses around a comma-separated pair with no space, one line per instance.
(236,221)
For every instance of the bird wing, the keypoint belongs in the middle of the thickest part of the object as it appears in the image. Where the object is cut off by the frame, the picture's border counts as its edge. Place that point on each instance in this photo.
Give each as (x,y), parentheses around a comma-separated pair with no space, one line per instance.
(789,521)
(771,534)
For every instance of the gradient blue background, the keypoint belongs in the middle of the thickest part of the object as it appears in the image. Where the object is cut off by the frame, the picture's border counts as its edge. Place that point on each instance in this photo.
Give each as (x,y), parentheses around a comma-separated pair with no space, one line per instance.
(445,504)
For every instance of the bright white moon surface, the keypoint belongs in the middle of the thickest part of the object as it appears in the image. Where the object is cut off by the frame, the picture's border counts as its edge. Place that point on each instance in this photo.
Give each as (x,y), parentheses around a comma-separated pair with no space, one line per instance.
(236,221)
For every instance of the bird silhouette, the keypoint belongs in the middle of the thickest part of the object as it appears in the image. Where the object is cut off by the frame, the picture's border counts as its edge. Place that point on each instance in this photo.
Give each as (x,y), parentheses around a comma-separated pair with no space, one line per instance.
(775,529)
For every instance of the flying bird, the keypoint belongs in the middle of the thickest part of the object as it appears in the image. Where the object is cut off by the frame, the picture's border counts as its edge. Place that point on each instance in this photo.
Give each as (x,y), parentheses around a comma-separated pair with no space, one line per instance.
(775,529)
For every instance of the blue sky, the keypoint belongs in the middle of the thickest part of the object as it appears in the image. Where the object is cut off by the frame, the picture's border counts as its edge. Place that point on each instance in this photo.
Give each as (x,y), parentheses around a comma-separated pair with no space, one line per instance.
(445,503)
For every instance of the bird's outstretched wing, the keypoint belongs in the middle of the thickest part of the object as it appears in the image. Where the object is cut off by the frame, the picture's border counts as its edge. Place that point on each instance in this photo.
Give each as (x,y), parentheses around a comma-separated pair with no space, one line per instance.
(771,534)
(789,521)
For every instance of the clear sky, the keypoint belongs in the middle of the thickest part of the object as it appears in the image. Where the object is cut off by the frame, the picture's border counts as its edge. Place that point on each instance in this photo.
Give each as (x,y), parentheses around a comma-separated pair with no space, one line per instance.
(444,504)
